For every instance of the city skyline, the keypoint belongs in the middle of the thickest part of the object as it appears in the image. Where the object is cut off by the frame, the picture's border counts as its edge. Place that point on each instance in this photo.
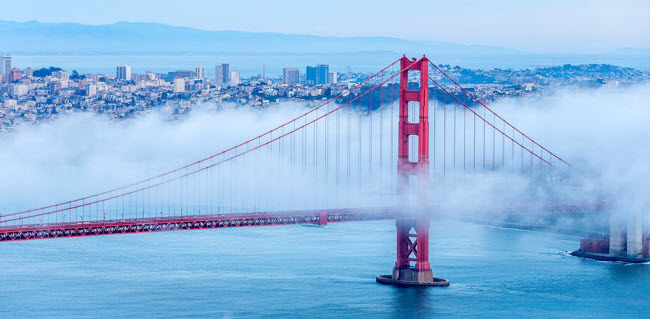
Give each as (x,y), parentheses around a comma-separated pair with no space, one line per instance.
(551,26)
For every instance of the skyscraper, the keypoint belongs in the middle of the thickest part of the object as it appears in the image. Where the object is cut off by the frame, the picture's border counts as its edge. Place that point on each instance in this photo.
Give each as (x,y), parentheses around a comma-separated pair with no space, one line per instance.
(218,74)
(199,72)
(318,74)
(222,73)
(333,77)
(226,73)
(123,72)
(5,67)
(291,75)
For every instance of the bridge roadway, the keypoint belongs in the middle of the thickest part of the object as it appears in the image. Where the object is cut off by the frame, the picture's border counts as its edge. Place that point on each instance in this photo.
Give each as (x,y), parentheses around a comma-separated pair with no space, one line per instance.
(194,222)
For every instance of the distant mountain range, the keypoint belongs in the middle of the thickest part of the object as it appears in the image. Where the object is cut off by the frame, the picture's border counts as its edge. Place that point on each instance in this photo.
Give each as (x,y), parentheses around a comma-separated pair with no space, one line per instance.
(130,38)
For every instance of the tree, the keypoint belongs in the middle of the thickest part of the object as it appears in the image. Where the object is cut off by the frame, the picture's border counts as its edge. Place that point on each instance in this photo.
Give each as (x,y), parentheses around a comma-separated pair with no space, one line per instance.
(43,72)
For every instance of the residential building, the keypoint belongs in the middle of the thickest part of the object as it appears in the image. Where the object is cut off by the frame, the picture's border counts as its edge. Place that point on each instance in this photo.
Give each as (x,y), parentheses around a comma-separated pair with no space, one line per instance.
(123,73)
(332,77)
(91,90)
(19,89)
(291,75)
(15,75)
(179,85)
(5,66)
(61,75)
(200,72)
(218,74)
(234,78)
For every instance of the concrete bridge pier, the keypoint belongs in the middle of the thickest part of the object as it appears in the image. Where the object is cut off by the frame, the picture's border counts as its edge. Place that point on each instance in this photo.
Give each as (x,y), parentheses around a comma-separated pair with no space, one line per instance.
(635,236)
(617,236)
(627,241)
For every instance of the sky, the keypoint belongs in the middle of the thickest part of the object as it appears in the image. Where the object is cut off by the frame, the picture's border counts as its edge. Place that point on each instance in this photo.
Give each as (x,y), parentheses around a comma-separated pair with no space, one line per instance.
(550,26)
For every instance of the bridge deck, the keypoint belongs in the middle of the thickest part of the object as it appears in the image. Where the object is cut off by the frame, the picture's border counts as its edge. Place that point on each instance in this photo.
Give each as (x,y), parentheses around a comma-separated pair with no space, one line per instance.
(158,224)
(193,222)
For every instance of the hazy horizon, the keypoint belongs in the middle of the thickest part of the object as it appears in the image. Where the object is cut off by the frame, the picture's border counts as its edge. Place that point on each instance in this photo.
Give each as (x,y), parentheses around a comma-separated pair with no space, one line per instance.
(548,27)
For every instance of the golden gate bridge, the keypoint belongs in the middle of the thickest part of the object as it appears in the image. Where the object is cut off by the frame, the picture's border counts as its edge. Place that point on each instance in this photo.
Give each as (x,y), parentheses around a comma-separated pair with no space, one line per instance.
(373,152)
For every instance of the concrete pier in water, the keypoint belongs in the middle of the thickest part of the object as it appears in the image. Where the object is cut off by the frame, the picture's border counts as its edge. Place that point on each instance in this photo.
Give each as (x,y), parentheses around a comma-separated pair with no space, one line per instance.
(627,241)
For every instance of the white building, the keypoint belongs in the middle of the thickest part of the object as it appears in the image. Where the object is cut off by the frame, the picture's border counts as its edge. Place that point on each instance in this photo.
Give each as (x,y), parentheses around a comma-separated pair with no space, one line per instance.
(332,77)
(123,72)
(61,75)
(5,66)
(91,89)
(19,89)
(234,78)
(200,72)
(179,85)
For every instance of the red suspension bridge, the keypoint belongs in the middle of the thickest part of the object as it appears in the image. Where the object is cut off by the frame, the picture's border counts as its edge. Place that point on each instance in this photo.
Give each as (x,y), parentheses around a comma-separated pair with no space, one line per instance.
(373,152)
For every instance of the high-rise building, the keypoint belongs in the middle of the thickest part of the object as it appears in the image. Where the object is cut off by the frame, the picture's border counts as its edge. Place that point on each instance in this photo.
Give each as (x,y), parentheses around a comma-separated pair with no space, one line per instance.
(5,67)
(222,73)
(123,72)
(200,72)
(29,72)
(332,77)
(218,74)
(179,85)
(61,74)
(291,75)
(15,75)
(226,73)
(318,74)
(234,78)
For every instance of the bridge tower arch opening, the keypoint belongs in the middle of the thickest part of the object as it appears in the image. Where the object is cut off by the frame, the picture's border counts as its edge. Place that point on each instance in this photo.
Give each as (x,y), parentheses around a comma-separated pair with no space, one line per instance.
(412,267)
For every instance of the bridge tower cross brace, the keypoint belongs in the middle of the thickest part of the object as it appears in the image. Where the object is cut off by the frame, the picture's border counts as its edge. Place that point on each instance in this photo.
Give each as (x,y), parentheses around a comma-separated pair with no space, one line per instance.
(413,232)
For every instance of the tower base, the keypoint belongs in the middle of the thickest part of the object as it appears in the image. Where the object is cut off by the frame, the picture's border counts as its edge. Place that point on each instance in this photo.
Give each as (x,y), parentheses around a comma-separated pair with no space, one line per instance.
(611,257)
(407,277)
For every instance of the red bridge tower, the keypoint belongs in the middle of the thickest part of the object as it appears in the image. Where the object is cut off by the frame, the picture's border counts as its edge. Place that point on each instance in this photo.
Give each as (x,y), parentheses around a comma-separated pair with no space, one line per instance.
(413,232)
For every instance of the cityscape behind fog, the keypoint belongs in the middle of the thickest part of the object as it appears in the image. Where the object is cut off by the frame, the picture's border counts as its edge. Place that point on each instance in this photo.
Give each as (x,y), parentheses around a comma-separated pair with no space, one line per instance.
(31,95)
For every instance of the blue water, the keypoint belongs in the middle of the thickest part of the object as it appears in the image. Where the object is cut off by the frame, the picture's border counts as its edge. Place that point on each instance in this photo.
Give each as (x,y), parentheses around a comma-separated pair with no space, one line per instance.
(255,64)
(294,271)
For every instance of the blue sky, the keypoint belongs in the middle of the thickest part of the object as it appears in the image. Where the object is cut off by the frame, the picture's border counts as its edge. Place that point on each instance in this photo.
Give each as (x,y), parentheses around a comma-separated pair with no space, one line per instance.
(583,26)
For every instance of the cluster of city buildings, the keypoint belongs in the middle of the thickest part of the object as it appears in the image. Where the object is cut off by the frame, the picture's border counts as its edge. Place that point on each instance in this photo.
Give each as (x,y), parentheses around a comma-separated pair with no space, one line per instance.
(33,95)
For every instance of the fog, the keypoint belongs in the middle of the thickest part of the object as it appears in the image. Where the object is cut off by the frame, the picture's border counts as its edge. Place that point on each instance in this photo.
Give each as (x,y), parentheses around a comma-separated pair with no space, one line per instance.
(604,133)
